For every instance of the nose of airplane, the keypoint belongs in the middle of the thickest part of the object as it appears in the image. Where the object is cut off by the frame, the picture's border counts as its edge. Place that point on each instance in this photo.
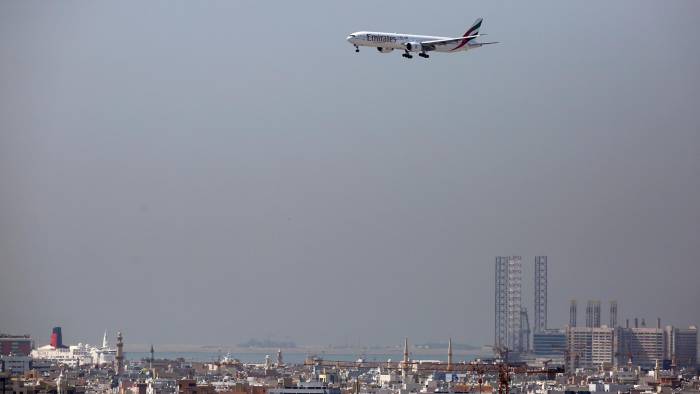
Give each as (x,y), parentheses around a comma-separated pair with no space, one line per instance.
(350,38)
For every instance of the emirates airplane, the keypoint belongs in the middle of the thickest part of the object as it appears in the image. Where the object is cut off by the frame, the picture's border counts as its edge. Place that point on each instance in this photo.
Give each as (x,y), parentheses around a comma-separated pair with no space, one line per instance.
(387,42)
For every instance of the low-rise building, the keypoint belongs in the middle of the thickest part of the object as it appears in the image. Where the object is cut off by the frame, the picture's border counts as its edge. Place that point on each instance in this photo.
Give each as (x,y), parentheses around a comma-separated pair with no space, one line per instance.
(15,344)
(15,364)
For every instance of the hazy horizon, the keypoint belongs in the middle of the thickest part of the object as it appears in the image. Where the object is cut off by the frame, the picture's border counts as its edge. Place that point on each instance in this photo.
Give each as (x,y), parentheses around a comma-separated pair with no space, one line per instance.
(211,172)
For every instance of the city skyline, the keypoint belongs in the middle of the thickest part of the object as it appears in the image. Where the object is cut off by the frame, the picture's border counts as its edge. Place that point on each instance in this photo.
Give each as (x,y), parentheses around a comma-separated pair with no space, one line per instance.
(185,174)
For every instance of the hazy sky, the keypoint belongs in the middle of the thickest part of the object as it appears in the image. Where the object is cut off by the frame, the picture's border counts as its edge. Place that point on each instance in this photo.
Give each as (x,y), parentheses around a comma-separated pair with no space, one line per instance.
(208,172)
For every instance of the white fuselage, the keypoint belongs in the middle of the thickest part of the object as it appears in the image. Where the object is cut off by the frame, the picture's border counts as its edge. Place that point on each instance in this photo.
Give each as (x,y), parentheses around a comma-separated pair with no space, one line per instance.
(399,41)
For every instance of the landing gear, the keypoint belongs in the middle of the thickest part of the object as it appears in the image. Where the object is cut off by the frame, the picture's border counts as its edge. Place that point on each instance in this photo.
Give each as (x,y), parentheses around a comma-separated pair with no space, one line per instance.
(357,49)
(407,55)
(424,55)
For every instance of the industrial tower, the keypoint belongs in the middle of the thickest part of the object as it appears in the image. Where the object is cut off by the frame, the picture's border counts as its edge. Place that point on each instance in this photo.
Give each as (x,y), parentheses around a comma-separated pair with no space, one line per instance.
(613,314)
(508,305)
(593,314)
(540,293)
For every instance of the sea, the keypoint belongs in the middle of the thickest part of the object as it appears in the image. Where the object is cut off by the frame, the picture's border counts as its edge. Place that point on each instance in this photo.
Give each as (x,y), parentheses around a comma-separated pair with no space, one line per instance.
(290,357)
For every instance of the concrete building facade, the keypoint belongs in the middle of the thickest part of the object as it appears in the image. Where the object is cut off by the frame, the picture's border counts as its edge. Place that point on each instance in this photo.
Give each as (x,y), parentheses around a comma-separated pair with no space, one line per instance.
(589,347)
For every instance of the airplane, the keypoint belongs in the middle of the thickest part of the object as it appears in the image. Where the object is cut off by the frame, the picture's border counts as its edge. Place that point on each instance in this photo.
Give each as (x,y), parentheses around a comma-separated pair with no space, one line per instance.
(387,42)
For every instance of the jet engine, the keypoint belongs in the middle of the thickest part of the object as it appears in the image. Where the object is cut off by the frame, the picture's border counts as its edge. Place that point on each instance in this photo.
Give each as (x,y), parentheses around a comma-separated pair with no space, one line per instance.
(384,50)
(414,47)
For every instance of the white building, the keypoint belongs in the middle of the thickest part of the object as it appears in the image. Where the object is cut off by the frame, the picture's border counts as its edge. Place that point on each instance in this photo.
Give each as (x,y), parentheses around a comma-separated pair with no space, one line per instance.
(306,388)
(15,364)
(590,347)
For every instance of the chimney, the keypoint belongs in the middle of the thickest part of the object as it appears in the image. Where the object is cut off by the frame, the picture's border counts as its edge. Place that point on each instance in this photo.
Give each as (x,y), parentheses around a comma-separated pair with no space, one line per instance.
(658,323)
(56,338)
(636,322)
(627,323)
(644,322)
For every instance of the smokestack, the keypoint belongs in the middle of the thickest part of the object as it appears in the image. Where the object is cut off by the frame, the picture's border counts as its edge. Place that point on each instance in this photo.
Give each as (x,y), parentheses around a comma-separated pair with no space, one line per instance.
(627,323)
(56,338)
(658,323)
(644,322)
(636,322)
(572,314)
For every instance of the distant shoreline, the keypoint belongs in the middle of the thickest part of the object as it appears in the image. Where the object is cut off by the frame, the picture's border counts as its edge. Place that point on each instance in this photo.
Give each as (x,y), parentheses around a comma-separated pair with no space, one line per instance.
(310,350)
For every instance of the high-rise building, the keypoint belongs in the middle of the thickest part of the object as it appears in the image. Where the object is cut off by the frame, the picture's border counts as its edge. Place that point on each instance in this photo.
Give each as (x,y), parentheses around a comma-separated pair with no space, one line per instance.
(508,303)
(593,314)
(540,293)
(572,314)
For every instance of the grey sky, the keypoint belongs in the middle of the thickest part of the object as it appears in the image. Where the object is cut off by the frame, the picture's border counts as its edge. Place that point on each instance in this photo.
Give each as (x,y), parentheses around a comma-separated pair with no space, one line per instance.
(207,172)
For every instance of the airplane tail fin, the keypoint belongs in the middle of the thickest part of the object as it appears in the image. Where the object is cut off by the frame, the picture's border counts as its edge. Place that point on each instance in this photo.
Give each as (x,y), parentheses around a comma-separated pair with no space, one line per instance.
(474,30)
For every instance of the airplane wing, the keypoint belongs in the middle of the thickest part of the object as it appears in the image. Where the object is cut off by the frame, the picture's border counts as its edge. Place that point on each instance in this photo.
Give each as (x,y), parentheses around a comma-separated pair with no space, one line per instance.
(478,44)
(430,45)
(446,41)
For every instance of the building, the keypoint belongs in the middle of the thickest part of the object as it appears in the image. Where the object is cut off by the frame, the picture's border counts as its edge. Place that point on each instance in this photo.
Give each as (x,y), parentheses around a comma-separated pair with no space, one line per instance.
(306,388)
(15,344)
(549,343)
(190,386)
(642,345)
(508,303)
(15,364)
(540,294)
(589,347)
(682,345)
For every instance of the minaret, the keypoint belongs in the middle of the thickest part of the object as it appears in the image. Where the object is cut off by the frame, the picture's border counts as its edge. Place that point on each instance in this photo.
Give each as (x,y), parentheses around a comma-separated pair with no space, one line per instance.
(449,354)
(150,366)
(657,368)
(405,351)
(105,344)
(120,353)
(404,370)
(59,383)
